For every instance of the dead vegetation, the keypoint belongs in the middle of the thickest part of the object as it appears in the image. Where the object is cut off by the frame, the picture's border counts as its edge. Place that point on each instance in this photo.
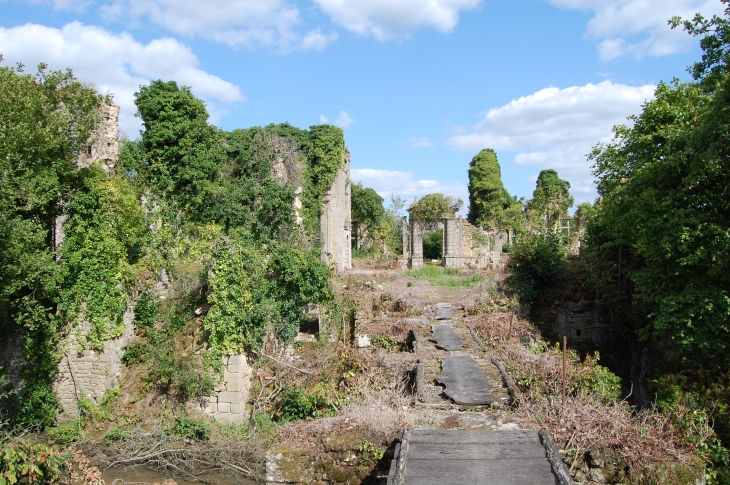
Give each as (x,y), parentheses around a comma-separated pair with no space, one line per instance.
(595,418)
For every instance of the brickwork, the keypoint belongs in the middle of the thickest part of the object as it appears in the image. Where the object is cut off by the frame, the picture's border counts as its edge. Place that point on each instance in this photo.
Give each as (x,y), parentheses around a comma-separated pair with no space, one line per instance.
(227,404)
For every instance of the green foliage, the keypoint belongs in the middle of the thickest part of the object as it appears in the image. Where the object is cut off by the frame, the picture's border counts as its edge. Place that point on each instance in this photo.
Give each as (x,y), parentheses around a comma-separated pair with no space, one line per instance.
(45,122)
(182,152)
(489,201)
(187,427)
(104,236)
(433,245)
(367,206)
(551,199)
(24,462)
(434,207)
(296,404)
(251,293)
(599,381)
(537,262)
(385,342)
(325,155)
(663,184)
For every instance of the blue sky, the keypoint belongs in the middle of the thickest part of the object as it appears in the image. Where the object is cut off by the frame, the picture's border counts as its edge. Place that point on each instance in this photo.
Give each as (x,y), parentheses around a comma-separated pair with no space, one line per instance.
(420,86)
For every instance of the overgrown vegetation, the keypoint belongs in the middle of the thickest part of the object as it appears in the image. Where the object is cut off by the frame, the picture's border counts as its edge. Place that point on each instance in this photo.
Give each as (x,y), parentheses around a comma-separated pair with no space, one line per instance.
(208,212)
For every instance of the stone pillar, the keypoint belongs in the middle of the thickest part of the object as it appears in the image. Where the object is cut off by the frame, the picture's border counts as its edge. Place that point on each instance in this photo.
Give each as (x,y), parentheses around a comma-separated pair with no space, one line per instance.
(405,254)
(227,404)
(451,244)
(335,223)
(416,258)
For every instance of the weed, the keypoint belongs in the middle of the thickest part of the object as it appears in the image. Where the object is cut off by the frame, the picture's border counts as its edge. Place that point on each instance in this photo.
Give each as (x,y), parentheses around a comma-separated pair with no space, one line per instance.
(186,427)
(385,342)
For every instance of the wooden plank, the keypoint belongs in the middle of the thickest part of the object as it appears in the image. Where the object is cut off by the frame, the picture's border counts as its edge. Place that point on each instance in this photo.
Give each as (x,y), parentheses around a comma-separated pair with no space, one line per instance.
(474,436)
(472,451)
(446,338)
(526,467)
(464,381)
(484,480)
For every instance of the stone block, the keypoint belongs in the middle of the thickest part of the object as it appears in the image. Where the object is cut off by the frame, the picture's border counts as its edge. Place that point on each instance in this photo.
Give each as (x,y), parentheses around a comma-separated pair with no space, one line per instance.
(229,418)
(234,369)
(224,407)
(237,377)
(234,386)
(238,408)
(235,360)
(229,397)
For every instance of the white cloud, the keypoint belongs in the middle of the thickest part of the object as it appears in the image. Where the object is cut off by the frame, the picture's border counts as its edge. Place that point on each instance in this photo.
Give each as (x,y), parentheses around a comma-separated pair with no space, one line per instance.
(389,182)
(116,63)
(344,120)
(323,120)
(386,19)
(420,143)
(238,23)
(556,128)
(617,23)
(316,40)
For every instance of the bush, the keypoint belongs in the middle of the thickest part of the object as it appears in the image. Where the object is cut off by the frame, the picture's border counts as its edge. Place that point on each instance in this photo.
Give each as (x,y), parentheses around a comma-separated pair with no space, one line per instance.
(192,428)
(433,245)
(538,262)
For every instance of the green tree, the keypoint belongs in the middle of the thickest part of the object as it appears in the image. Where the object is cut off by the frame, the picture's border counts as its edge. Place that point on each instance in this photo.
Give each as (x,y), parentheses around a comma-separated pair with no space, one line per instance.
(551,198)
(434,207)
(664,184)
(367,206)
(183,153)
(433,245)
(488,199)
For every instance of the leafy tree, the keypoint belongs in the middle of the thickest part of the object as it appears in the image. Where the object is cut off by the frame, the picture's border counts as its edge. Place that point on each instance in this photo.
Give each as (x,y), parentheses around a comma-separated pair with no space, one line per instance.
(488,199)
(664,184)
(715,44)
(183,153)
(551,198)
(367,206)
(434,207)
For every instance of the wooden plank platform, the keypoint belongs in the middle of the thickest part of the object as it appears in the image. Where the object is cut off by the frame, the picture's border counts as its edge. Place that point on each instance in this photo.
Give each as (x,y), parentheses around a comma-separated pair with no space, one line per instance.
(446,337)
(429,457)
(464,381)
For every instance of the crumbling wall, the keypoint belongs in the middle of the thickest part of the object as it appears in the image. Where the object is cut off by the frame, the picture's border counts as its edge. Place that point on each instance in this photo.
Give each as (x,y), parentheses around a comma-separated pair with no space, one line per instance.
(86,373)
(467,246)
(227,404)
(103,146)
(335,222)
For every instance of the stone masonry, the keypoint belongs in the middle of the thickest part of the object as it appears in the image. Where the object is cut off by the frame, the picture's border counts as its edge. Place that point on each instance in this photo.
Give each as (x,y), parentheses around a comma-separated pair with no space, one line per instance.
(335,222)
(88,374)
(103,146)
(415,259)
(227,404)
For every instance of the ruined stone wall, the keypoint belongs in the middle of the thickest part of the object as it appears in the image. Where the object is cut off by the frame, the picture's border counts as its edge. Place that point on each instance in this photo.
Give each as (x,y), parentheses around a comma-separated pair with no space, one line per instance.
(103,146)
(227,404)
(88,374)
(335,222)
(460,248)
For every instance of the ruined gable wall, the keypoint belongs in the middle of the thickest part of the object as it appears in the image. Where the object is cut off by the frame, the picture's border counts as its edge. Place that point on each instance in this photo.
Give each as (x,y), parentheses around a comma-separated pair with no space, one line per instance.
(335,221)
